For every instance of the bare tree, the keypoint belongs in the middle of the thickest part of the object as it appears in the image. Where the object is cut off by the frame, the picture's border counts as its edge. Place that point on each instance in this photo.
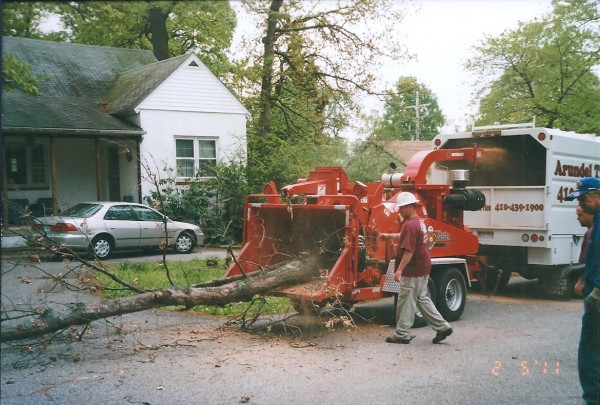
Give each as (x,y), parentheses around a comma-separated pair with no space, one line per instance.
(44,320)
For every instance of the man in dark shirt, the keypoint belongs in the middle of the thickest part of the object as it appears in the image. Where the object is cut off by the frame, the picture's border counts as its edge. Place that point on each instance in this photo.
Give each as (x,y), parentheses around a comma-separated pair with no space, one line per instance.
(413,262)
(588,195)
(586,220)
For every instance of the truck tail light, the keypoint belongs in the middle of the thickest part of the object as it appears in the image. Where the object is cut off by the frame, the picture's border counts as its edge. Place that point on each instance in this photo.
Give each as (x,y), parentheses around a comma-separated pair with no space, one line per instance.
(525,237)
(437,142)
(534,238)
(62,227)
(541,136)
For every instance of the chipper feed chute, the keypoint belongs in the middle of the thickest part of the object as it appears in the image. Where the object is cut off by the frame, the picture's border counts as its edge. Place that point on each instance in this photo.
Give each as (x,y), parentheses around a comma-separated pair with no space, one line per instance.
(275,233)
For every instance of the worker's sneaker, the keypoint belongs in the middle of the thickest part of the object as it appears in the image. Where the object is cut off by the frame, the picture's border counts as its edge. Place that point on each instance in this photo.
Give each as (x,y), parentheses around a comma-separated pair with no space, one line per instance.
(441,335)
(394,339)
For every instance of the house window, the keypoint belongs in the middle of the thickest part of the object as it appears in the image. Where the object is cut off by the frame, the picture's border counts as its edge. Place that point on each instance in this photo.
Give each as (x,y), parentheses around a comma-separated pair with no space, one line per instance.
(26,165)
(195,157)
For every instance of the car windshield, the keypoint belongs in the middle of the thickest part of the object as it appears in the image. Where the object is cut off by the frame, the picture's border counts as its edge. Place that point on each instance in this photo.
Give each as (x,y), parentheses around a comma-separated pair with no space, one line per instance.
(83,210)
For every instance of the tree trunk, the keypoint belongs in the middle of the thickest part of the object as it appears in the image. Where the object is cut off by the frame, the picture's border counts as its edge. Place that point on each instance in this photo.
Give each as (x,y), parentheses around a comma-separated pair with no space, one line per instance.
(159,36)
(267,75)
(51,320)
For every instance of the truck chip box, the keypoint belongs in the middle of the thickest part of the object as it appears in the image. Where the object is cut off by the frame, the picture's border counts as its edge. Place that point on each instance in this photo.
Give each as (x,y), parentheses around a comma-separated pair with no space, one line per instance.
(526,225)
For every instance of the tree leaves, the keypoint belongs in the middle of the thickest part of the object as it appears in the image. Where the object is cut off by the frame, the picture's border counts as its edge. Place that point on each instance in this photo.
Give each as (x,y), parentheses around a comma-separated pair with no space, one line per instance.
(544,69)
(16,75)
(399,119)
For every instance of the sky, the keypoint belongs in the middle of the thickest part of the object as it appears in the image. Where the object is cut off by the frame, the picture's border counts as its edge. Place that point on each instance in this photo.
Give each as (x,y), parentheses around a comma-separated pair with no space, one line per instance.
(442,35)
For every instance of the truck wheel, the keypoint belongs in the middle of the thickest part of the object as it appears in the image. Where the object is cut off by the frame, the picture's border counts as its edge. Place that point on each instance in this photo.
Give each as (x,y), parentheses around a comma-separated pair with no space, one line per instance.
(504,278)
(451,290)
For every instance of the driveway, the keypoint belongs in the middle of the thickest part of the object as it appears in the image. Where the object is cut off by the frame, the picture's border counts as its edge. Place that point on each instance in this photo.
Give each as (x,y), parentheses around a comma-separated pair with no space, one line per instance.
(508,349)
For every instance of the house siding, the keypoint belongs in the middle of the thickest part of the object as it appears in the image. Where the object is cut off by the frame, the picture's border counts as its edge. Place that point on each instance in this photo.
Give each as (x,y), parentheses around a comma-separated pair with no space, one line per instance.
(158,146)
(75,156)
(193,88)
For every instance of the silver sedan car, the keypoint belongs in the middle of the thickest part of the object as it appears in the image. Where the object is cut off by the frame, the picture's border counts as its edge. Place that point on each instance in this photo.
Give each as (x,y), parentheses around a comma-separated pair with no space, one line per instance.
(102,227)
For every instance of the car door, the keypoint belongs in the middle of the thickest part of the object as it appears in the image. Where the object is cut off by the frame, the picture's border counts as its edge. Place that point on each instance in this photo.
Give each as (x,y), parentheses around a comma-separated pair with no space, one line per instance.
(152,228)
(122,224)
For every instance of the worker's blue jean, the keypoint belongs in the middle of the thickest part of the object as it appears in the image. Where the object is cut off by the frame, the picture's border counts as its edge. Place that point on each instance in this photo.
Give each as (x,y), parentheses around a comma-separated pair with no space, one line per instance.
(589,356)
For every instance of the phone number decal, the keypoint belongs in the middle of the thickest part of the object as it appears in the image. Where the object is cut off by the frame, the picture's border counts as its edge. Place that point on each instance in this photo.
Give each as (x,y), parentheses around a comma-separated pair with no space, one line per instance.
(519,207)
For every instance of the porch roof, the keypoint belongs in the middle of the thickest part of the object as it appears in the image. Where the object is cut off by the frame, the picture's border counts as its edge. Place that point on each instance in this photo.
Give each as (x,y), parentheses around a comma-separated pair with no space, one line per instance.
(73,97)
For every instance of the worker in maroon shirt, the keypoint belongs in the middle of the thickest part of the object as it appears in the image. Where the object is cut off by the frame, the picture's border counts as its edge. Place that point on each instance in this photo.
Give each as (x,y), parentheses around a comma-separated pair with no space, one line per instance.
(413,261)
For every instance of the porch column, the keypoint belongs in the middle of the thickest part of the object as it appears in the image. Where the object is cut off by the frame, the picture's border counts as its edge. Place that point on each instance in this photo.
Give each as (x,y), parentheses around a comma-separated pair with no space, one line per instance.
(98,170)
(139,170)
(53,174)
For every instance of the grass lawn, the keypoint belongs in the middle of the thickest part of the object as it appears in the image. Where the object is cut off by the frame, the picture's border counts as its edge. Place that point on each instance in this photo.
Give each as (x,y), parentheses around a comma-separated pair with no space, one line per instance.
(150,276)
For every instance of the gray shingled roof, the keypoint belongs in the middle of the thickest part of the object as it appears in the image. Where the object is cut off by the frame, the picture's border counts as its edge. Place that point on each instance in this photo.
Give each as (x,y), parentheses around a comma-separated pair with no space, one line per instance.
(73,97)
(405,150)
(132,87)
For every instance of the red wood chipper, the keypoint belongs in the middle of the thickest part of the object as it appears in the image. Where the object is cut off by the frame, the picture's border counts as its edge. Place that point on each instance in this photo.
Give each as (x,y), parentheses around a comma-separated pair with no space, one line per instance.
(340,221)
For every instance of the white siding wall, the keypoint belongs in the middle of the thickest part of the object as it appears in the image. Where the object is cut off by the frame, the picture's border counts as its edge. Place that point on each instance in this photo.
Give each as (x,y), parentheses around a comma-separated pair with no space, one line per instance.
(193,88)
(75,156)
(158,146)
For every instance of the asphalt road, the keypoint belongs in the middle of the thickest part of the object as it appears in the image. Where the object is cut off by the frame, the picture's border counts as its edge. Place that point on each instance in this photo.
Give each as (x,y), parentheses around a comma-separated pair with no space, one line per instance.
(509,349)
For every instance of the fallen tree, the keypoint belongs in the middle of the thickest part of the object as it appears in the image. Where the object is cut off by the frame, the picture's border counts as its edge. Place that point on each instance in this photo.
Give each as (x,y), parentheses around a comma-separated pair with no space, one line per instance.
(218,292)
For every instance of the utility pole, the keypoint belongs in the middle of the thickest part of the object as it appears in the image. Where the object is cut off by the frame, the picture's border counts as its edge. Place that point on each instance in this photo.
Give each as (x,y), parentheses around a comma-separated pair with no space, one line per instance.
(417,108)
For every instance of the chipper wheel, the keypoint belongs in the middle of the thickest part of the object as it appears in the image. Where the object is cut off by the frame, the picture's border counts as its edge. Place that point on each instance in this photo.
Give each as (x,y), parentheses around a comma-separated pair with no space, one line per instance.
(451,289)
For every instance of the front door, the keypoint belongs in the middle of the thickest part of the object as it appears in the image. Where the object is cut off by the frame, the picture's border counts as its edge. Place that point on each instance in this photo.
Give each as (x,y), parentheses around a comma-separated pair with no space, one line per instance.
(114,178)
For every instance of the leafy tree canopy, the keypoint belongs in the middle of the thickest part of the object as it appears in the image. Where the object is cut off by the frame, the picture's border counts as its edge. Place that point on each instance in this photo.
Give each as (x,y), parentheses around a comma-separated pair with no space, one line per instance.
(544,69)
(400,119)
(316,57)
(168,28)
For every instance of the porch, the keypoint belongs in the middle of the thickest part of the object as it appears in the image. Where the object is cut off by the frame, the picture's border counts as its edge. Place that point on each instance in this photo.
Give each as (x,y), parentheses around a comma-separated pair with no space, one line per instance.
(45,173)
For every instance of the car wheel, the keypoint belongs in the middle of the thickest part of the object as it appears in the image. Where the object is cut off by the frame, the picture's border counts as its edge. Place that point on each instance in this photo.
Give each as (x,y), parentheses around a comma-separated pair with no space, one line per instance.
(184,243)
(102,246)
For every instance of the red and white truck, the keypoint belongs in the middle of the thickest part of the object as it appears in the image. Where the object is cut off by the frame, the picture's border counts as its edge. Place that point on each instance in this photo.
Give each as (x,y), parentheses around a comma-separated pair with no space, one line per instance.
(526,225)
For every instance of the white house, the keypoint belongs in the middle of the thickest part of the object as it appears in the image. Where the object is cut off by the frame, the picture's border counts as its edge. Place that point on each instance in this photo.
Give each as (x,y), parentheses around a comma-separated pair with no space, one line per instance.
(107,118)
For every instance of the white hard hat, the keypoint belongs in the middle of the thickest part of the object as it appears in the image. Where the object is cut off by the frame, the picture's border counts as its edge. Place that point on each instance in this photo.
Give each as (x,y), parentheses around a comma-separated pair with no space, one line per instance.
(406,198)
